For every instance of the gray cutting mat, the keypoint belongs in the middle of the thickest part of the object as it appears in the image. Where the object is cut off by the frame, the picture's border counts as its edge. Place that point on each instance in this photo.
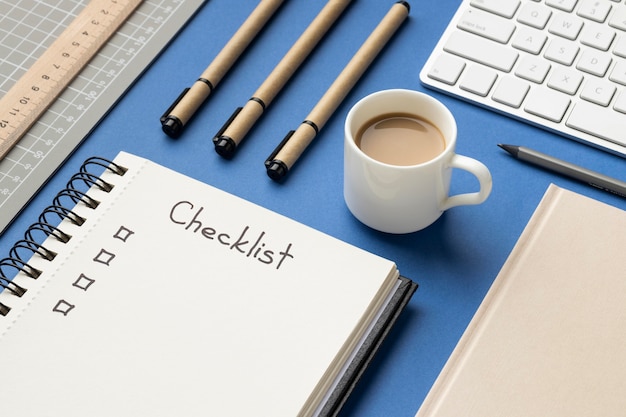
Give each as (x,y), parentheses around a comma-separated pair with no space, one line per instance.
(27,27)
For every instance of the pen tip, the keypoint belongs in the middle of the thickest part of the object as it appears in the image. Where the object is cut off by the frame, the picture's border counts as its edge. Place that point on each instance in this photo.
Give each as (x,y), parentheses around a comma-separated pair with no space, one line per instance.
(509,148)
(277,170)
(172,126)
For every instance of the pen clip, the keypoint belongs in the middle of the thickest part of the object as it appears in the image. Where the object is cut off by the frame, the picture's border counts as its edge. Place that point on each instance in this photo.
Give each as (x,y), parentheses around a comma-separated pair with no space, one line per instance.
(225,126)
(169,110)
(282,143)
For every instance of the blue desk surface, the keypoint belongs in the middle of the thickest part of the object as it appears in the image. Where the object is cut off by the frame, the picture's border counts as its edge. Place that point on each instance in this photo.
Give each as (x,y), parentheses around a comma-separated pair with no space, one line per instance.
(455,260)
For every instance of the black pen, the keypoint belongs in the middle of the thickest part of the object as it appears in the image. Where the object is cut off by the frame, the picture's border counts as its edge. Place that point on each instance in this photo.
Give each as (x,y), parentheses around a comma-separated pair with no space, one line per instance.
(568,169)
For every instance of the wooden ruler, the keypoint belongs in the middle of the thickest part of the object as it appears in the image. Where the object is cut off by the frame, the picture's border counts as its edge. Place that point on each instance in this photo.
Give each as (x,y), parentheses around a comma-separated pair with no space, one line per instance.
(35,91)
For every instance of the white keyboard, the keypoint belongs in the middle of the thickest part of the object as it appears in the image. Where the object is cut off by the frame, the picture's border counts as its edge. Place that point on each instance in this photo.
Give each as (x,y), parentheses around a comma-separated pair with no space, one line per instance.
(558,64)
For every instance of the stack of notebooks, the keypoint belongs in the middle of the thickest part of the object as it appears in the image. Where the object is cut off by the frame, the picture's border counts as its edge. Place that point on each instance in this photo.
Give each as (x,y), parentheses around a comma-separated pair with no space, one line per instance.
(158,295)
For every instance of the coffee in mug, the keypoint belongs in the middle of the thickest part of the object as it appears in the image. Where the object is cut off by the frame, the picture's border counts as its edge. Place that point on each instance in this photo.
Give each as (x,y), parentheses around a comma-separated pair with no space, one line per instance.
(402,194)
(400,139)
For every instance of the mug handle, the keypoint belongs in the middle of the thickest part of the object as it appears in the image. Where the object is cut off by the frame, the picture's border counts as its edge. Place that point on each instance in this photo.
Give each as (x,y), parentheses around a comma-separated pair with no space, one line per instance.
(480,171)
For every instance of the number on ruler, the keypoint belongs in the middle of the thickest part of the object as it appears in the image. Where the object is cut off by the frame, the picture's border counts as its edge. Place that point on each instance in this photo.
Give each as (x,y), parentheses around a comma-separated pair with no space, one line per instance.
(59,64)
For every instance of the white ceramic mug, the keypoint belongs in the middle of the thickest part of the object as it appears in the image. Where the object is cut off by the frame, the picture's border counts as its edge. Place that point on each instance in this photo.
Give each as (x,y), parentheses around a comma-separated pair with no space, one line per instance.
(404,199)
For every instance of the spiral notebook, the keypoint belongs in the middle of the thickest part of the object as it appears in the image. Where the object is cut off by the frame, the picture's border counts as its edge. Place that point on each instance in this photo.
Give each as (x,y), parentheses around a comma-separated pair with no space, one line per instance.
(159,295)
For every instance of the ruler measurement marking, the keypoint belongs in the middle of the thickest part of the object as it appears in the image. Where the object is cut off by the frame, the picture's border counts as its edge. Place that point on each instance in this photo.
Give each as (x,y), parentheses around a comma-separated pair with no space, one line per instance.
(60,63)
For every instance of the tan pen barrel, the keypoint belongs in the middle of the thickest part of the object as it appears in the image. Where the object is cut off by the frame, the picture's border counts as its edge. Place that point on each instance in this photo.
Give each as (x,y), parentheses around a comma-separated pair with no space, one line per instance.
(281,161)
(191,99)
(232,134)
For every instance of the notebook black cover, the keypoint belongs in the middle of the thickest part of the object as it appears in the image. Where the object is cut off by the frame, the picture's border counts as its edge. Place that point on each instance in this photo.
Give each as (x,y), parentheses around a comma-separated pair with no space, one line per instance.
(369,348)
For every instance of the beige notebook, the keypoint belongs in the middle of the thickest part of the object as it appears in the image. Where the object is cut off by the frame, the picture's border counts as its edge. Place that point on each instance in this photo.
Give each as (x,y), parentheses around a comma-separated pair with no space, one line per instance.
(549,339)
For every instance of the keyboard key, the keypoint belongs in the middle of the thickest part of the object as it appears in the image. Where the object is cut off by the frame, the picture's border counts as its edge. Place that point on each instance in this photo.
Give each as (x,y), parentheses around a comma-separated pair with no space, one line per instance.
(562,51)
(598,91)
(594,62)
(535,15)
(565,80)
(619,48)
(618,74)
(596,10)
(566,26)
(511,91)
(618,20)
(487,25)
(529,40)
(565,5)
(478,80)
(504,8)
(481,50)
(620,103)
(447,69)
(598,121)
(597,36)
(547,103)
(533,69)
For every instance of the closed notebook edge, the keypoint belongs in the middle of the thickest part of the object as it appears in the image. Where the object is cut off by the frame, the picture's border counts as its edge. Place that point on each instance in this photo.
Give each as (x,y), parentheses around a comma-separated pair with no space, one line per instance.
(351,372)
(539,219)
(370,346)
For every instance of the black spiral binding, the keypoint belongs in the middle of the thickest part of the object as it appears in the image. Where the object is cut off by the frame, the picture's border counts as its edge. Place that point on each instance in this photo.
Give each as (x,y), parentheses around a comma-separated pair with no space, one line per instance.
(73,194)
